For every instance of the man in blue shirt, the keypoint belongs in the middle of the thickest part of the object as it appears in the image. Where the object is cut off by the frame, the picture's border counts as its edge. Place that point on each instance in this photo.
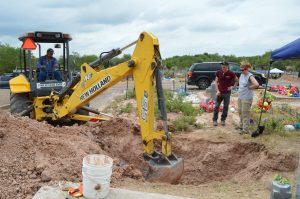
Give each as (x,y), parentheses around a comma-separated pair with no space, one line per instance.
(46,65)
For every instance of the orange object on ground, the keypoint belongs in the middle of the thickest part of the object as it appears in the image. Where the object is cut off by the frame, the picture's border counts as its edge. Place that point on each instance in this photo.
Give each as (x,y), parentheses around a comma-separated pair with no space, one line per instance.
(75,192)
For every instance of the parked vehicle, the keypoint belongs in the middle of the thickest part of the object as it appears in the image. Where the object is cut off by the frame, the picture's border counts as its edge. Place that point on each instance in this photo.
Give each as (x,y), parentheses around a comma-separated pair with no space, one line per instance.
(4,79)
(202,74)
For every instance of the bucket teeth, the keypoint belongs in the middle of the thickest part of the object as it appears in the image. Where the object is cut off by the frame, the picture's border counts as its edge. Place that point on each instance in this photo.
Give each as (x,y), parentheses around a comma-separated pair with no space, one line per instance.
(167,169)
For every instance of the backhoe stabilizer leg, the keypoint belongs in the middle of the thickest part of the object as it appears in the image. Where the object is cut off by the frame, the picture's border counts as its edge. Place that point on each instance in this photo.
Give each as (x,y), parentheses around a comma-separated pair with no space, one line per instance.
(164,169)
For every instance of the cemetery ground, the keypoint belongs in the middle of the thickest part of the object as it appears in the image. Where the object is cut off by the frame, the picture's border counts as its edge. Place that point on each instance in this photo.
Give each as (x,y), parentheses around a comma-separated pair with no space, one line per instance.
(219,162)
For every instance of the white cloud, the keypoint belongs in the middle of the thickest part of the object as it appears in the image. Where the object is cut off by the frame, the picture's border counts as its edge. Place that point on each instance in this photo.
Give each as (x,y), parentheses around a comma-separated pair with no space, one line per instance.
(248,27)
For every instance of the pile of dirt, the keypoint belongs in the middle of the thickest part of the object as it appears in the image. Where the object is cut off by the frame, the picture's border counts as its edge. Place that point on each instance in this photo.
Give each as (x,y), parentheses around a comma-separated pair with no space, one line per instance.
(33,154)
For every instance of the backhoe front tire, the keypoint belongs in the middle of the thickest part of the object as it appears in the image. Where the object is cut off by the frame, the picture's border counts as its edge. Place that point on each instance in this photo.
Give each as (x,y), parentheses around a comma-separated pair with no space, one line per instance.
(19,102)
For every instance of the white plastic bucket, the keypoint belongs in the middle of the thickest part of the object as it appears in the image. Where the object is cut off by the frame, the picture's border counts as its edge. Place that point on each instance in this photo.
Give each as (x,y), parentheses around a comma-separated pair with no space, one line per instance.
(96,173)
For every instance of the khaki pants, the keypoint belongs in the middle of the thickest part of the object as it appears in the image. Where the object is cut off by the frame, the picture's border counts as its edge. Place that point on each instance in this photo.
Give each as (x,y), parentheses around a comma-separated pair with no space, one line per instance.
(244,107)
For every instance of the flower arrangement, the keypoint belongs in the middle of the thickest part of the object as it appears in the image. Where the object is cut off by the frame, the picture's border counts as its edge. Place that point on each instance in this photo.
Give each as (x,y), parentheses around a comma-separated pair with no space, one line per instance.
(267,103)
(290,90)
(209,106)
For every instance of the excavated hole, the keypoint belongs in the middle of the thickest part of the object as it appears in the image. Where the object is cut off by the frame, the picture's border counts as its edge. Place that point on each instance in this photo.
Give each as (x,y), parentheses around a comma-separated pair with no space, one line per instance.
(204,160)
(207,161)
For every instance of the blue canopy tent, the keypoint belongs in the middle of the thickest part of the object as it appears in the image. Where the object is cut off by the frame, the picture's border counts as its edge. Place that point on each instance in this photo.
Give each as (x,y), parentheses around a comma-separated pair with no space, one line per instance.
(289,51)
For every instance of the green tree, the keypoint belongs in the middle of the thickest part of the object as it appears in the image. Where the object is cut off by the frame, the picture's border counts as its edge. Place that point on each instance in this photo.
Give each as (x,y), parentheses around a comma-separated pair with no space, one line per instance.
(9,58)
(168,65)
(118,60)
(76,60)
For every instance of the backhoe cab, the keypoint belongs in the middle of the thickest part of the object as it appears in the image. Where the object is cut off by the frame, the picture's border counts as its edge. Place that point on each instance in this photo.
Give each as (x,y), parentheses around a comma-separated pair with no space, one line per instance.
(144,66)
(33,40)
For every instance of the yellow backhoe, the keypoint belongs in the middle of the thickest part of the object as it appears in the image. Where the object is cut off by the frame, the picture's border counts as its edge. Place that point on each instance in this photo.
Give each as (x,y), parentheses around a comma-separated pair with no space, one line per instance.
(53,100)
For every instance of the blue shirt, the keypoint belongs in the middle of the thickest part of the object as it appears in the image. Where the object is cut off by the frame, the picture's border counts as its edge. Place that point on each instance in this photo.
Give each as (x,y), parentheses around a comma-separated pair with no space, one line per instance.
(49,63)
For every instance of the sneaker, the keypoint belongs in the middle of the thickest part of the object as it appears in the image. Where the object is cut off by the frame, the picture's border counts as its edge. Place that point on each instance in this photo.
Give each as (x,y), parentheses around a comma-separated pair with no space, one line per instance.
(215,123)
(223,123)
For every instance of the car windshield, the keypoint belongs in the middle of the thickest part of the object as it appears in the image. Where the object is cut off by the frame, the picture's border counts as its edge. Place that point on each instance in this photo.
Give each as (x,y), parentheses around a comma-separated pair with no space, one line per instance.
(234,67)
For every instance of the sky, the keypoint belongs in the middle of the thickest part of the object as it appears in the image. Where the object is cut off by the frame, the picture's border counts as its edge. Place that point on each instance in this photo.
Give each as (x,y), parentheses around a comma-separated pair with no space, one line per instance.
(183,27)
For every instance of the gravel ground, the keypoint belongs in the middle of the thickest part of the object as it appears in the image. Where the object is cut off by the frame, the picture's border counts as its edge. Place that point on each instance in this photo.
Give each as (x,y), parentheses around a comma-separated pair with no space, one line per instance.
(4,96)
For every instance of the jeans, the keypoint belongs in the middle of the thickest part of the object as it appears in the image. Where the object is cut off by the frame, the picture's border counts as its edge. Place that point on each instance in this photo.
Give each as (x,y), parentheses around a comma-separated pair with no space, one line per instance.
(226,97)
(244,107)
(42,76)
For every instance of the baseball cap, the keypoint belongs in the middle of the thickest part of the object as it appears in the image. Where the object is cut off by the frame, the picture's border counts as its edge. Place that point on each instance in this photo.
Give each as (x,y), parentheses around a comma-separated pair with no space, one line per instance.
(224,63)
(50,50)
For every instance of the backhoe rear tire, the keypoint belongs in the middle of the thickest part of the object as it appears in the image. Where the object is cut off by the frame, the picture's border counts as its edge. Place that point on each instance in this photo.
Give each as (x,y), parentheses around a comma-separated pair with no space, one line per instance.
(19,102)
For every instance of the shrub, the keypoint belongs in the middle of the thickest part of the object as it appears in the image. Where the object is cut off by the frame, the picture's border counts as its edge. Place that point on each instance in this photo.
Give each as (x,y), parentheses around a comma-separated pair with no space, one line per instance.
(130,94)
(188,109)
(281,180)
(199,125)
(177,105)
(274,124)
(174,105)
(168,95)
(127,109)
(183,123)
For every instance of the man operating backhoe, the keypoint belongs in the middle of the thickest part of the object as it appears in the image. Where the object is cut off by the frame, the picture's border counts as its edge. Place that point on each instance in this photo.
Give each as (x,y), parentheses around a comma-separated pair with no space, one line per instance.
(46,66)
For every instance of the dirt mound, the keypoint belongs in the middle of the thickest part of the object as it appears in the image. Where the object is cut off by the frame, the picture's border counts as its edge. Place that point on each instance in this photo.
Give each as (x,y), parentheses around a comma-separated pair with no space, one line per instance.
(35,153)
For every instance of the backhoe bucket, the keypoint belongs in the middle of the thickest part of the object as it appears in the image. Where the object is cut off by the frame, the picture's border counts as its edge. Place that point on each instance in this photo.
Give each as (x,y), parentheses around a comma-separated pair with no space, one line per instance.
(168,170)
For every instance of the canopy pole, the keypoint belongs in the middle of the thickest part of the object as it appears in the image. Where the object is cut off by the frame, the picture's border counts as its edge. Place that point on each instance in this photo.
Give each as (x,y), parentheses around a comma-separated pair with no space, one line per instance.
(265,91)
